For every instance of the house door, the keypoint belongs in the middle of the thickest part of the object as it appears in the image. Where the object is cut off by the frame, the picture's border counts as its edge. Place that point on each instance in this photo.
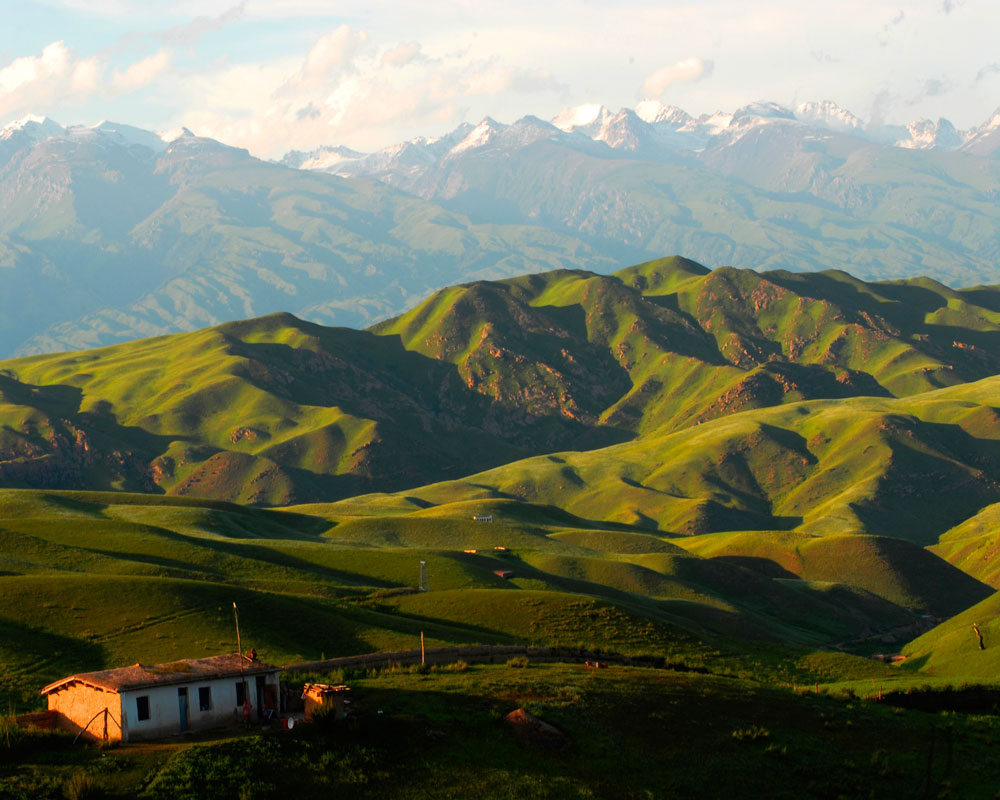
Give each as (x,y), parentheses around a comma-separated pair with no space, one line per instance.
(182,707)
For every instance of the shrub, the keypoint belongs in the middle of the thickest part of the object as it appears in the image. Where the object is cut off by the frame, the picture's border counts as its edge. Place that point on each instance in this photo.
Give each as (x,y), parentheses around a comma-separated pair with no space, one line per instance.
(458,666)
(751,734)
(518,662)
(82,786)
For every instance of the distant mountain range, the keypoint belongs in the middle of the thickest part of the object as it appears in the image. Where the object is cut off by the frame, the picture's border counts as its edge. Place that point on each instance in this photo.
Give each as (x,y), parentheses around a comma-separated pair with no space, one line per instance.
(108,233)
(651,130)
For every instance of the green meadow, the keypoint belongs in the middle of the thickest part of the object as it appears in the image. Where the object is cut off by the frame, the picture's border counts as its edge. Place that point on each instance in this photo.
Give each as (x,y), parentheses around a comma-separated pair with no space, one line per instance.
(618,733)
(758,480)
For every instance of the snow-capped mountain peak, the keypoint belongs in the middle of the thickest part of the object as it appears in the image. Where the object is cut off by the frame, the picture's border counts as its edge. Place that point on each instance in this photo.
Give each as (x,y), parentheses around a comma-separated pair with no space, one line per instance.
(478,136)
(654,112)
(714,124)
(827,114)
(985,139)
(925,134)
(129,135)
(763,110)
(174,134)
(323,158)
(589,118)
(34,126)
(652,131)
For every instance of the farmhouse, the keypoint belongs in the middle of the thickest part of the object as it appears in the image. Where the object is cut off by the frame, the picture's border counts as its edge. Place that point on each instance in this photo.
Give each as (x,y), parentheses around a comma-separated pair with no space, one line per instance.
(148,702)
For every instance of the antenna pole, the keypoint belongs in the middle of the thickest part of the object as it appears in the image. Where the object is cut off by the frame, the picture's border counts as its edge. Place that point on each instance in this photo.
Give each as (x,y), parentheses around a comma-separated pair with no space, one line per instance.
(239,651)
(236,616)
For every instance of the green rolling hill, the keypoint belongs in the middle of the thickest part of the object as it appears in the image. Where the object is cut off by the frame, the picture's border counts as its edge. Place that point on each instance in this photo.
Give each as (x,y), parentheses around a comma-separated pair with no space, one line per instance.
(676,460)
(275,410)
(909,468)
(951,651)
(973,545)
(89,580)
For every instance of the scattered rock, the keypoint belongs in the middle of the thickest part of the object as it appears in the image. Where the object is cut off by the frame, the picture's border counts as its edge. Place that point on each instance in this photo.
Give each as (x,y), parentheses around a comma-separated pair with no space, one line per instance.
(534,731)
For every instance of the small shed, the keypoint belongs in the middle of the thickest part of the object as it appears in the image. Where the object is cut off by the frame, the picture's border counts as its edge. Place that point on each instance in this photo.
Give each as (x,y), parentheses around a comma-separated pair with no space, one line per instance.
(152,701)
(322,695)
(504,573)
(482,518)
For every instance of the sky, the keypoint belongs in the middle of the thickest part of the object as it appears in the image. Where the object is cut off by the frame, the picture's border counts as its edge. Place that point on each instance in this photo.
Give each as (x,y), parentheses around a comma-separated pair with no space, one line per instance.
(277,75)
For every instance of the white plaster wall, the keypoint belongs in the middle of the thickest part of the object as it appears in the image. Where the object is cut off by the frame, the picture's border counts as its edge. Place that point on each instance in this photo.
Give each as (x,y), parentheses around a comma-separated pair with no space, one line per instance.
(164,709)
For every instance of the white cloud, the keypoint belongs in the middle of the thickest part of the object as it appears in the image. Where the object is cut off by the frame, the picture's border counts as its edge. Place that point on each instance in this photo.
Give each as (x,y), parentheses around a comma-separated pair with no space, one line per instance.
(401,55)
(53,63)
(497,79)
(332,55)
(344,91)
(686,71)
(141,73)
(199,27)
(86,77)
(423,68)
(57,76)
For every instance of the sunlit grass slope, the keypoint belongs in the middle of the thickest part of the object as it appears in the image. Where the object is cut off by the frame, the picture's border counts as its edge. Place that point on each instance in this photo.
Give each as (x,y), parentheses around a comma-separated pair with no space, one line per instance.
(91,580)
(952,649)
(274,410)
(909,468)
(974,545)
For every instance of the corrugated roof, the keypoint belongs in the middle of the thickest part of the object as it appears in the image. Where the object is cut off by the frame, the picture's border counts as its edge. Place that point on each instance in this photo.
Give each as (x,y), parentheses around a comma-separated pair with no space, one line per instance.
(141,676)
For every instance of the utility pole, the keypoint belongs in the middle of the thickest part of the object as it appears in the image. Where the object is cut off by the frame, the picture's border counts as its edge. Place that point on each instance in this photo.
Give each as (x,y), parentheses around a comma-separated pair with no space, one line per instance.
(422,659)
(239,650)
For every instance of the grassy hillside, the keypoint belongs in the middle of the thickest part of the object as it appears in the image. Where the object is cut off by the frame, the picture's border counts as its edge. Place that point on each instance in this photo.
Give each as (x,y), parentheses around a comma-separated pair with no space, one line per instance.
(620,733)
(910,468)
(973,545)
(952,649)
(274,410)
(891,568)
(658,475)
(90,580)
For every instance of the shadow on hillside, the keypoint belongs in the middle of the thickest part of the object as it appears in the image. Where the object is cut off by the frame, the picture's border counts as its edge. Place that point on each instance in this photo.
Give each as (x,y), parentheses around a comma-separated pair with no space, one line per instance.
(56,400)
(939,475)
(253,553)
(172,568)
(447,429)
(391,618)
(762,566)
(903,305)
(84,449)
(40,656)
(987,297)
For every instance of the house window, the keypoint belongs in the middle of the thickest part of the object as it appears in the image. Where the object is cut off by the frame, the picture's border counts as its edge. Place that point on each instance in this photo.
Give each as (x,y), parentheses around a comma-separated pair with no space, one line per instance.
(205,698)
(240,693)
(142,708)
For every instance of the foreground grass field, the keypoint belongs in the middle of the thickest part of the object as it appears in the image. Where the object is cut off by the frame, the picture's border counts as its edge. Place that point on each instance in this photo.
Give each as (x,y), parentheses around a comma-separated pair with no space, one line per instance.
(621,733)
(94,580)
